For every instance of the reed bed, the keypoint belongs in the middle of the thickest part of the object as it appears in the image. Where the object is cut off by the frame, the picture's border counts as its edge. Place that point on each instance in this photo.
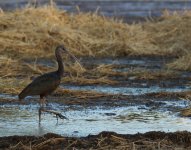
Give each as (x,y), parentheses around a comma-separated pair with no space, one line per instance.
(33,33)
(36,32)
(172,35)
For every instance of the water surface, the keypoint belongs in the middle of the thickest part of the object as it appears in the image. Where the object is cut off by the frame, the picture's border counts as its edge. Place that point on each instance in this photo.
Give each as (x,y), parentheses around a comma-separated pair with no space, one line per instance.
(23,120)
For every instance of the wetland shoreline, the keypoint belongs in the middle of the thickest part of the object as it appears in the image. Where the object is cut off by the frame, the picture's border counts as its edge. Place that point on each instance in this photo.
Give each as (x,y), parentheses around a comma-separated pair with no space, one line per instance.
(132,91)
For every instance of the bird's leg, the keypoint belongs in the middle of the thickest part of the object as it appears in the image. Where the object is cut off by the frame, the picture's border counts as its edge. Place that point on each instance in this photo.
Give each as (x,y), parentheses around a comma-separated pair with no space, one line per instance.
(41,102)
(43,109)
(39,114)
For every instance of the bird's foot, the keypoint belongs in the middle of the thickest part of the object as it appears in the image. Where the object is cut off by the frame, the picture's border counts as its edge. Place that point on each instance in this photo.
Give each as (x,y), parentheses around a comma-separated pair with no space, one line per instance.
(58,115)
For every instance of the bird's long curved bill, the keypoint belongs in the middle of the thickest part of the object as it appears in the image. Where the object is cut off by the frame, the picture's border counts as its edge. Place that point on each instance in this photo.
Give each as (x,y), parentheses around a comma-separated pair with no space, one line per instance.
(74,57)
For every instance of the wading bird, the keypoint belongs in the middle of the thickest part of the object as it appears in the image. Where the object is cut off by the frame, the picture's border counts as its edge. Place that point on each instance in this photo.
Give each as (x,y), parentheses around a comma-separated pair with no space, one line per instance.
(47,83)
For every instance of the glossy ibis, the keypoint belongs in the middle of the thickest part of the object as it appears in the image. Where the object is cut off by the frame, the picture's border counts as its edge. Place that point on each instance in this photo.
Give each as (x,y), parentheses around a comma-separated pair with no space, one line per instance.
(45,84)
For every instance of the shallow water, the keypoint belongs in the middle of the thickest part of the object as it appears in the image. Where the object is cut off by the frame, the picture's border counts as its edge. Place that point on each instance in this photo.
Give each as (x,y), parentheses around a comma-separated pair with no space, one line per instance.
(8,96)
(133,118)
(23,120)
(127,90)
(144,61)
(126,118)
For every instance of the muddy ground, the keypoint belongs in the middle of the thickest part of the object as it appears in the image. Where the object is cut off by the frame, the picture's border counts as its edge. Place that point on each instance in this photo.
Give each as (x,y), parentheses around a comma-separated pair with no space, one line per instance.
(172,87)
(104,140)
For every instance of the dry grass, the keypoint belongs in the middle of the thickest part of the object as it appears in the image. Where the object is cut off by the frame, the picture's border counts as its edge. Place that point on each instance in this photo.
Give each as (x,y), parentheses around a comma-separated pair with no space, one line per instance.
(102,141)
(183,63)
(32,33)
(186,112)
(172,35)
(36,32)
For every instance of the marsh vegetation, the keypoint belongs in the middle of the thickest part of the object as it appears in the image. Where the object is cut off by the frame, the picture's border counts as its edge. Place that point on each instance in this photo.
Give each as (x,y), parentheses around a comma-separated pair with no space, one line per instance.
(144,64)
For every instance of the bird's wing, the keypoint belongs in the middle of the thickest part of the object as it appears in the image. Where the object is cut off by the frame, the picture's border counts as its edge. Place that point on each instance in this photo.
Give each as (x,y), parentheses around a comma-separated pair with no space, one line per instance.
(41,85)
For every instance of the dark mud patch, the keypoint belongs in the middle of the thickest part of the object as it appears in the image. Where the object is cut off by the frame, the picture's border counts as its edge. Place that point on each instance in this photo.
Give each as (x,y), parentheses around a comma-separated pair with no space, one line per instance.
(104,140)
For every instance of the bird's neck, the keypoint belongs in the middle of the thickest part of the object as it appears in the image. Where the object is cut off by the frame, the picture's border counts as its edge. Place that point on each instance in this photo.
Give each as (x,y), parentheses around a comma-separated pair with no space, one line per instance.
(60,70)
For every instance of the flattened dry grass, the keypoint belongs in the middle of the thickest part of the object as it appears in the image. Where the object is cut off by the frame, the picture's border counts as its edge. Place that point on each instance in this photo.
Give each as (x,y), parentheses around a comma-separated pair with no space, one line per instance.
(36,32)
(32,33)
(172,35)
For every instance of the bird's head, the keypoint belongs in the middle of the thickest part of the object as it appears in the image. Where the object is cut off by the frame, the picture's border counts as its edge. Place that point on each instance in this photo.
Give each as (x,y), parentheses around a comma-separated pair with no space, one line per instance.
(61,48)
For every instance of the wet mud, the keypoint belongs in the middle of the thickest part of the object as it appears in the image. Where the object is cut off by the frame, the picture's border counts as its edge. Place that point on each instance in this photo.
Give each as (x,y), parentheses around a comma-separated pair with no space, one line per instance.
(104,140)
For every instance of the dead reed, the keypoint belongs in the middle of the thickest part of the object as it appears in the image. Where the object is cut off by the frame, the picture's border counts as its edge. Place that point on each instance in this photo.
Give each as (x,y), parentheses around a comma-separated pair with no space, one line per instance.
(33,33)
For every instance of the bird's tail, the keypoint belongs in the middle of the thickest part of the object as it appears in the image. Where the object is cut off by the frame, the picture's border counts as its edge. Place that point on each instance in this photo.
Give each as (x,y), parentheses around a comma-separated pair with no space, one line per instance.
(24,92)
(22,95)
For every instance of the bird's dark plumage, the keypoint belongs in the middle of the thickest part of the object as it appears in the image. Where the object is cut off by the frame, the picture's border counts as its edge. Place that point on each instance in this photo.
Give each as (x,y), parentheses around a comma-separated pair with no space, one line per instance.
(42,85)
(46,83)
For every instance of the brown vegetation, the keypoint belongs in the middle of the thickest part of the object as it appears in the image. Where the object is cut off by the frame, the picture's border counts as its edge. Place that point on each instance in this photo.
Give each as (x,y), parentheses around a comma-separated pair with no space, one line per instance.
(31,34)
